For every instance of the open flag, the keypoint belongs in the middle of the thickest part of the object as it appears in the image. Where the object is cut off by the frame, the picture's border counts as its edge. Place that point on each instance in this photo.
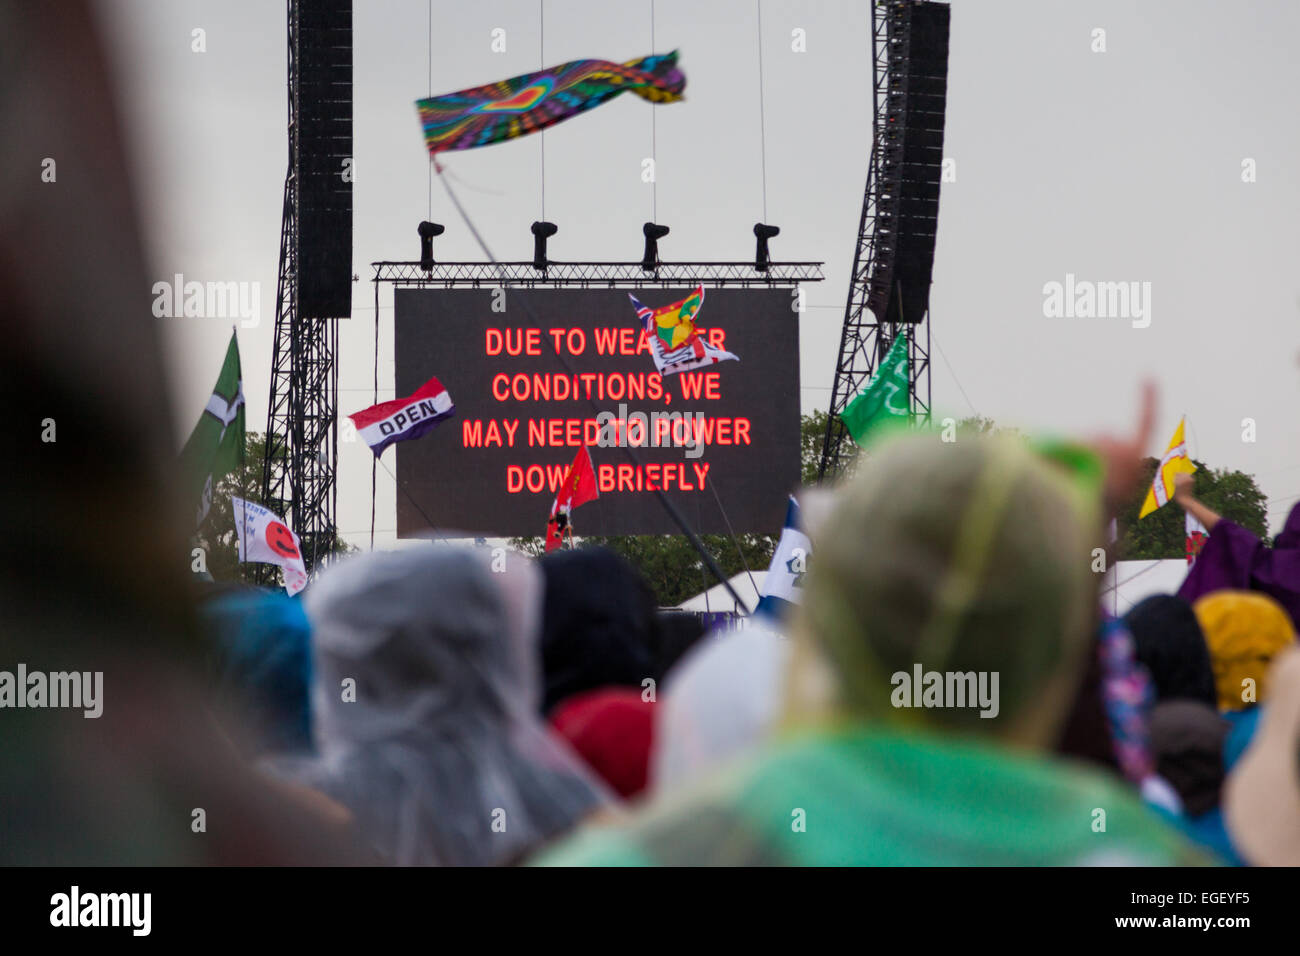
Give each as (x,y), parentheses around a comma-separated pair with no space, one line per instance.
(886,396)
(783,586)
(578,487)
(216,446)
(674,343)
(403,418)
(264,538)
(1174,462)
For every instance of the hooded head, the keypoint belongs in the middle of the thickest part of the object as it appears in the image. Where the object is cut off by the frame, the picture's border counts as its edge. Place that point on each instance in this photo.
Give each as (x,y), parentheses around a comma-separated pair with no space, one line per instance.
(1171,646)
(1244,631)
(263,665)
(969,557)
(612,729)
(425,635)
(426,695)
(599,628)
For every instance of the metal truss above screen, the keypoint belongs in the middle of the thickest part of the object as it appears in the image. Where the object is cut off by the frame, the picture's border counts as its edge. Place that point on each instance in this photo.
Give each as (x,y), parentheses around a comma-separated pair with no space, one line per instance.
(583,274)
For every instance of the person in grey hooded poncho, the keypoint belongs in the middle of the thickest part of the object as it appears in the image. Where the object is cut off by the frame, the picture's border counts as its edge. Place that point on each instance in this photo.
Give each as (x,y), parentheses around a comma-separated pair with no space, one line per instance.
(441,757)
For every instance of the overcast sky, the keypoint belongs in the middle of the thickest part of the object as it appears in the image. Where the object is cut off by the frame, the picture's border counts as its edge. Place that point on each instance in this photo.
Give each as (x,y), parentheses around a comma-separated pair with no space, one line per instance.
(1123,165)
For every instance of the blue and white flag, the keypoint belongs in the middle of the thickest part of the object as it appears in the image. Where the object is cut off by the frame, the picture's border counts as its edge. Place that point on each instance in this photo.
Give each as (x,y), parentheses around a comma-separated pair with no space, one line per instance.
(783,586)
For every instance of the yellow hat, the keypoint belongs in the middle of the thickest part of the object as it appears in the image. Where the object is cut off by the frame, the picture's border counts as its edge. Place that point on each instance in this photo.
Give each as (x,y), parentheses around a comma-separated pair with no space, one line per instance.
(1244,631)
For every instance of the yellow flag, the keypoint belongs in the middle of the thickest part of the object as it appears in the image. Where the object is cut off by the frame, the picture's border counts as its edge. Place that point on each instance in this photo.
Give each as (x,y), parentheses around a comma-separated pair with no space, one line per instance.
(1174,462)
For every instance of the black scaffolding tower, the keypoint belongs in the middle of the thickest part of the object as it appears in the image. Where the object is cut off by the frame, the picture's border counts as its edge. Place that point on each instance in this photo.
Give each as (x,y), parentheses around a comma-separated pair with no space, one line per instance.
(890,284)
(314,286)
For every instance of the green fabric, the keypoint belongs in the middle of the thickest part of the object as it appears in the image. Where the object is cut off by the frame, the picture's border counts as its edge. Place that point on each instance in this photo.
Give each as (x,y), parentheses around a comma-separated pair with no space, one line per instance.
(216,446)
(1080,461)
(886,396)
(879,798)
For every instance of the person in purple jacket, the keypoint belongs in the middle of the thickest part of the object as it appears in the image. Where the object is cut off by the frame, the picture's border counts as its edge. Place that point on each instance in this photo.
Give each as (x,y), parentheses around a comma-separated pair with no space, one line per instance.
(1234,558)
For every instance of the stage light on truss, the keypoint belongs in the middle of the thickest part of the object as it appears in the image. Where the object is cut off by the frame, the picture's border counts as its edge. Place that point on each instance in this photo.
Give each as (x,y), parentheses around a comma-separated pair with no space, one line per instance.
(763,232)
(427,231)
(541,232)
(653,232)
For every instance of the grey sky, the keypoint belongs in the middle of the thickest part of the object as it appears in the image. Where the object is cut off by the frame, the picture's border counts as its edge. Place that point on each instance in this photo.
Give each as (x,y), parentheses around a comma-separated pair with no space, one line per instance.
(1117,166)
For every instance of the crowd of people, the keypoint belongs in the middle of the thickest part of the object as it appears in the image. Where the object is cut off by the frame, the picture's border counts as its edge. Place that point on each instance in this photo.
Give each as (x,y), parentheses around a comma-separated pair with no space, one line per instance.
(442,705)
(471,708)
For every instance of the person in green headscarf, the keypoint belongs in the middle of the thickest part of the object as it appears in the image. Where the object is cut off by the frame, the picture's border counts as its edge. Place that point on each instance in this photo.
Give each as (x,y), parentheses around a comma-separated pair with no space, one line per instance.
(948,610)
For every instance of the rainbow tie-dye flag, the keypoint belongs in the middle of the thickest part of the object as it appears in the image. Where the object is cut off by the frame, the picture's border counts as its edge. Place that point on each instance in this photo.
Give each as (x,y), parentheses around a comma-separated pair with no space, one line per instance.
(525,104)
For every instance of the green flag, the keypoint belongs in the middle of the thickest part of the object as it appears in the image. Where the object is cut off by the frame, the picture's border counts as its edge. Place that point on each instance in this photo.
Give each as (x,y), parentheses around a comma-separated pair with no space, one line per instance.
(216,446)
(886,396)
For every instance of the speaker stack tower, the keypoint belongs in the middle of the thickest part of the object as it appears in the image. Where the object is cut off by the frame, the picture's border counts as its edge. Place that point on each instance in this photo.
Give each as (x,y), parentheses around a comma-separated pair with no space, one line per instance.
(314,289)
(894,259)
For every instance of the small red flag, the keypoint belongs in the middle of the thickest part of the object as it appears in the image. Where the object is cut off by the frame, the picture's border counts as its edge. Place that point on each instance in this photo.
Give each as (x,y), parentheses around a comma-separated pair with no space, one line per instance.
(578,487)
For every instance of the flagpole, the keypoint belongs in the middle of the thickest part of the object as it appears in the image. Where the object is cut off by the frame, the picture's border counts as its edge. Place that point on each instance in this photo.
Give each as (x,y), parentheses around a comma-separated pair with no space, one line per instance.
(243,550)
(239,545)
(734,540)
(411,499)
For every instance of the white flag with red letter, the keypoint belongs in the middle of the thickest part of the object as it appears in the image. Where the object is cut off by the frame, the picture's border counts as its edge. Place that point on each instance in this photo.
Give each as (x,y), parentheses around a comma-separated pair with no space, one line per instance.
(263,537)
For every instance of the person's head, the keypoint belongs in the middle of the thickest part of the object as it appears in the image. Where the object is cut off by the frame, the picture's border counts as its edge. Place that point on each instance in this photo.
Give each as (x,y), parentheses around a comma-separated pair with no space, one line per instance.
(1244,631)
(262,665)
(966,560)
(426,707)
(1172,648)
(612,729)
(421,634)
(599,626)
(1187,739)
